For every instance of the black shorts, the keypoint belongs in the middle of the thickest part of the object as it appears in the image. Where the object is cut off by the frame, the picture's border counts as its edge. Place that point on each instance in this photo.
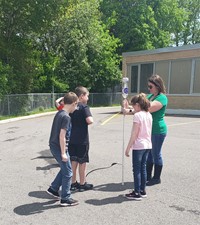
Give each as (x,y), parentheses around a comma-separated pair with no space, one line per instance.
(79,153)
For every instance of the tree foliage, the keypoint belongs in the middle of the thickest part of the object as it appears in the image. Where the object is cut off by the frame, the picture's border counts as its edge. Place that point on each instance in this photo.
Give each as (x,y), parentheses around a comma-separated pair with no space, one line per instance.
(22,24)
(144,24)
(189,32)
(87,51)
(59,44)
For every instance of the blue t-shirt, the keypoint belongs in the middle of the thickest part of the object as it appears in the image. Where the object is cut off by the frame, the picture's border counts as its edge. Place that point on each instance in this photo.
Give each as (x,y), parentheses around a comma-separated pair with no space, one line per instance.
(61,120)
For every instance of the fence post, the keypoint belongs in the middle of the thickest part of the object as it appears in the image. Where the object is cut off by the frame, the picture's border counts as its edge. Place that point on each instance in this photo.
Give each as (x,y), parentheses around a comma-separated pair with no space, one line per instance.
(53,96)
(91,97)
(111,99)
(8,105)
(32,101)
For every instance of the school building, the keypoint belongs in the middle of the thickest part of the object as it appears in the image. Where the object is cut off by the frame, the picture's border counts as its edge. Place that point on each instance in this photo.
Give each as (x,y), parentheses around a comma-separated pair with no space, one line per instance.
(178,66)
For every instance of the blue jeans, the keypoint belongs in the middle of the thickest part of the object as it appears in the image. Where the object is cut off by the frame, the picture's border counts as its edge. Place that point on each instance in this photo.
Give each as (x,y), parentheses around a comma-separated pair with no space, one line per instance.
(139,159)
(63,178)
(155,155)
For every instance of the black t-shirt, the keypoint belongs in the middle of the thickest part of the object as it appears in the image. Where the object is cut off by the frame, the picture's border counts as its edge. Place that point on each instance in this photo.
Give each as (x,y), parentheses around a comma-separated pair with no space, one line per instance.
(61,120)
(79,132)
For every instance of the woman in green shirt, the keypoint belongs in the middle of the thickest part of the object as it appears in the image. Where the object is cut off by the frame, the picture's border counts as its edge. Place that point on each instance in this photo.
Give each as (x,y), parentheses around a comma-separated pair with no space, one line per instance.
(158,106)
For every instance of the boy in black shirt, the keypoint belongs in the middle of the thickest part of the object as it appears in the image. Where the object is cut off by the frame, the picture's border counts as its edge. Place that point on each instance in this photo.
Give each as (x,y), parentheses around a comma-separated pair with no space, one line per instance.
(79,140)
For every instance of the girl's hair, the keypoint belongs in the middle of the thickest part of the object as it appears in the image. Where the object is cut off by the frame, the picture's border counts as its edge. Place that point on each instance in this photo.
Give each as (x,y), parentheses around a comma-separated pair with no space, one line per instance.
(70,98)
(142,101)
(81,91)
(158,82)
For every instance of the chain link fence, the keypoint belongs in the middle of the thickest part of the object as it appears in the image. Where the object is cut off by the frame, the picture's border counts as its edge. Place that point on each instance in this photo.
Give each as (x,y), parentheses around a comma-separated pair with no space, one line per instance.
(22,104)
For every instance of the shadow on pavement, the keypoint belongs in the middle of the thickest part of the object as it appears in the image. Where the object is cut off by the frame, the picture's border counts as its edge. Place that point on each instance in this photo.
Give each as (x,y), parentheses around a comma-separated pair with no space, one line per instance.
(114,187)
(37,207)
(44,154)
(48,167)
(47,156)
(108,113)
(41,195)
(111,187)
(112,200)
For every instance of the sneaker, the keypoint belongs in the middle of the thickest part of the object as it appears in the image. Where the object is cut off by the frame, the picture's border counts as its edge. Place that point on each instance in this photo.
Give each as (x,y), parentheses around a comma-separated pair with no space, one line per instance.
(53,193)
(74,186)
(68,202)
(85,187)
(133,196)
(153,182)
(143,194)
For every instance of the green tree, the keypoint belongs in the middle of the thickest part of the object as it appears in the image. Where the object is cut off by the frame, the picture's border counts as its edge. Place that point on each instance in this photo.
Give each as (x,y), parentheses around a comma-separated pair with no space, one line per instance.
(56,44)
(5,72)
(189,32)
(22,23)
(86,50)
(143,24)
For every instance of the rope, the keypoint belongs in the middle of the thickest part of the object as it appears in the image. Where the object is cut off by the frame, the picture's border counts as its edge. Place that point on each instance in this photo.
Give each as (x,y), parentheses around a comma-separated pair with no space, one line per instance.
(103,168)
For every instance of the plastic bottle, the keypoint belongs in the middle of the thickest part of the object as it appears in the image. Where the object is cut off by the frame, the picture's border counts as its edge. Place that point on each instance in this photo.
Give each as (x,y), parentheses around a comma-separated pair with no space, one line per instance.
(125,87)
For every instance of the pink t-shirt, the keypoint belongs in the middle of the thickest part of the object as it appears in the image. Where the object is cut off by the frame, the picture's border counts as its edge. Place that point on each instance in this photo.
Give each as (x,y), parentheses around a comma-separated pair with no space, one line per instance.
(143,140)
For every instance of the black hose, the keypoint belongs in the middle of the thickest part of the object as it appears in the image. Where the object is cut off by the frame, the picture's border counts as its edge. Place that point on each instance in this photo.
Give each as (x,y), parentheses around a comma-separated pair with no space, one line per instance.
(102,168)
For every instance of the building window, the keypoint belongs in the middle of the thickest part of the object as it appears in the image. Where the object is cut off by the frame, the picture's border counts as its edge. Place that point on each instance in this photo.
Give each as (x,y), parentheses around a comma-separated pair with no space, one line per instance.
(134,78)
(180,76)
(145,72)
(162,69)
(196,87)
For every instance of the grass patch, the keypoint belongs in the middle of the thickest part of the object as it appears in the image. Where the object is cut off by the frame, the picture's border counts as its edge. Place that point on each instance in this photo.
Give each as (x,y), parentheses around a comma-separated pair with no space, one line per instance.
(36,111)
(42,110)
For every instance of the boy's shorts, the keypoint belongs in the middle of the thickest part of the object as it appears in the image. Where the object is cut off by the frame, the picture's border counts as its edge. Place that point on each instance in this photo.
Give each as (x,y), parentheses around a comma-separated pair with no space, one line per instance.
(79,153)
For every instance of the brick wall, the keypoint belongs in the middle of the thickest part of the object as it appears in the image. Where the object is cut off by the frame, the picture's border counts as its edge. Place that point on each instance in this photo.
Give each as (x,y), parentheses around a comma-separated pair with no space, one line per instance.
(184,102)
(175,102)
(162,56)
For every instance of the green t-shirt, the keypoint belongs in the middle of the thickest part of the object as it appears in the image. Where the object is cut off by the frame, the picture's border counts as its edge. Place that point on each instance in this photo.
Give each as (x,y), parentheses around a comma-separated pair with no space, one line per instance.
(159,126)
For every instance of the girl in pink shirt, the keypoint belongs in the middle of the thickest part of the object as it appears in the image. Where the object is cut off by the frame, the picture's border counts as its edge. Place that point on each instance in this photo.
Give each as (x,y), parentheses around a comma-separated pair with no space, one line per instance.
(140,144)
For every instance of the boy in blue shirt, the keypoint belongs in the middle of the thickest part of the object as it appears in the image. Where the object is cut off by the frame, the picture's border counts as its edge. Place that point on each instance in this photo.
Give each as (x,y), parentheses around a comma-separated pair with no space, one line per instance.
(58,142)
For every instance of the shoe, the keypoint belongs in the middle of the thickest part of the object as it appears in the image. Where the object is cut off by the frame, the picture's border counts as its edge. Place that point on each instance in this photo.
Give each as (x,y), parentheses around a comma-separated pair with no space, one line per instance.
(143,194)
(133,196)
(153,182)
(68,202)
(53,193)
(74,186)
(85,187)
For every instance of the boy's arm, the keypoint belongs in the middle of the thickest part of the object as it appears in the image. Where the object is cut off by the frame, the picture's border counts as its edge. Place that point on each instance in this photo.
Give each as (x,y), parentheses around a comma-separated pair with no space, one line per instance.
(89,120)
(57,102)
(62,139)
(88,115)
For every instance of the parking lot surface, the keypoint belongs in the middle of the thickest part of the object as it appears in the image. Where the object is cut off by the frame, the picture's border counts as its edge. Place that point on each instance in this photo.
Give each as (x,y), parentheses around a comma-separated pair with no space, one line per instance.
(27,169)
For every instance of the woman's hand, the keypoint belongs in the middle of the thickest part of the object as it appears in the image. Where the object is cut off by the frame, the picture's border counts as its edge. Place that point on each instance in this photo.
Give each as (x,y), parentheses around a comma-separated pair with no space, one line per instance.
(125,104)
(126,108)
(125,111)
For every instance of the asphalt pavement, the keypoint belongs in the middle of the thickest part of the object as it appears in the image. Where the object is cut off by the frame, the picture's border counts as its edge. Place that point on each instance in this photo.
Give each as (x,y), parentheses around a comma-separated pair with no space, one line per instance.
(27,169)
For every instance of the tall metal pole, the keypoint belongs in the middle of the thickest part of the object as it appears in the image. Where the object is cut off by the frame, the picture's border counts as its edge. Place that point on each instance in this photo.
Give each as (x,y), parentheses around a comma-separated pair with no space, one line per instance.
(124,95)
(123,152)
